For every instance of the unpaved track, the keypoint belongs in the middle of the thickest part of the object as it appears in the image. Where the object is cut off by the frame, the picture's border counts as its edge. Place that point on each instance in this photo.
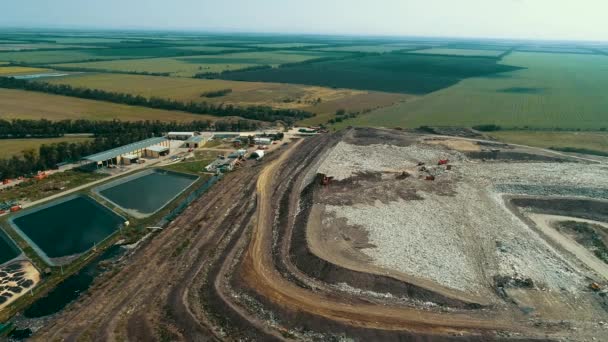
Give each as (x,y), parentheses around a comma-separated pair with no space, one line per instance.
(545,224)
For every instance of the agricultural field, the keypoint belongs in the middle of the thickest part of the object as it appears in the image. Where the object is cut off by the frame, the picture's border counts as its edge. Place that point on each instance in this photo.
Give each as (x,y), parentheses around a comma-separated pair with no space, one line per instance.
(398,73)
(29,46)
(209,49)
(595,141)
(547,91)
(172,66)
(101,53)
(461,52)
(553,49)
(44,57)
(367,48)
(242,93)
(357,103)
(19,104)
(15,147)
(285,45)
(12,70)
(189,66)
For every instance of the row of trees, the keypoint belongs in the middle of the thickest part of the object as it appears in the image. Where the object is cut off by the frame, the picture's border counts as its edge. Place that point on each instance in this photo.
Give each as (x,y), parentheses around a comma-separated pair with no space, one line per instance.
(17,128)
(262,113)
(48,156)
(107,135)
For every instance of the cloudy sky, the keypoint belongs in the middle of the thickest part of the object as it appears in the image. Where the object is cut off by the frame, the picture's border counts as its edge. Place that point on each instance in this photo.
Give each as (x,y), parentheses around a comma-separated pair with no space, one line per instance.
(534,19)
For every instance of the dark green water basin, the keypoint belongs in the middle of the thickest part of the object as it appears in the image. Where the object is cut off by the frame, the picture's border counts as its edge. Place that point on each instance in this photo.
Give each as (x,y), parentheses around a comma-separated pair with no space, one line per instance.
(66,227)
(8,250)
(146,192)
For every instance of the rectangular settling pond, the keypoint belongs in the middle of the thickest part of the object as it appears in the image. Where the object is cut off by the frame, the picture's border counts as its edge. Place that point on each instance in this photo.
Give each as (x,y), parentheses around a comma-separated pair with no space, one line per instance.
(66,227)
(8,250)
(145,193)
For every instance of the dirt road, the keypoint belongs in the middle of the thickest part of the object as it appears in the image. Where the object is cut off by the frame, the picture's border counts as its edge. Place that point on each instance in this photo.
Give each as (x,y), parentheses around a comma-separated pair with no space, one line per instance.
(545,224)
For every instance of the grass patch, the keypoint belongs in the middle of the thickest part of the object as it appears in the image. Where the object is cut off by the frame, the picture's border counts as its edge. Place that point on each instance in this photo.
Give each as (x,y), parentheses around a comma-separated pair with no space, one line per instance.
(15,147)
(580,150)
(34,190)
(562,141)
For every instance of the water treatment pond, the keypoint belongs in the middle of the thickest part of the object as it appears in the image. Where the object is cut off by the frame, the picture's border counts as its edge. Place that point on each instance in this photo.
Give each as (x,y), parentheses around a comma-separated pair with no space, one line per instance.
(66,227)
(8,251)
(71,288)
(146,192)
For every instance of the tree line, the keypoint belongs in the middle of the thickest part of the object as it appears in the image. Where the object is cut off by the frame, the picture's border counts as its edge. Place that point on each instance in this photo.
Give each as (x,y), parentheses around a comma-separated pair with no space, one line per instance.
(21,128)
(107,135)
(261,113)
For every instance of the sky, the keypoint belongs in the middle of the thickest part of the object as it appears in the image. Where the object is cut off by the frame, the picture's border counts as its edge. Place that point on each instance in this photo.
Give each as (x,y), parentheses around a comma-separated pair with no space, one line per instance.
(519,19)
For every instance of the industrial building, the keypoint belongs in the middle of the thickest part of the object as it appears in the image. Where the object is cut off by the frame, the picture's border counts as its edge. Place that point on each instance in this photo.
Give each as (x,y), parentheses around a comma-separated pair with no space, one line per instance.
(222,165)
(181,135)
(263,141)
(194,141)
(127,154)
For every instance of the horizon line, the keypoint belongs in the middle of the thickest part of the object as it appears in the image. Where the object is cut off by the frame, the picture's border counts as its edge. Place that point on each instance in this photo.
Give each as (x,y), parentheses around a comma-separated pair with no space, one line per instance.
(225,31)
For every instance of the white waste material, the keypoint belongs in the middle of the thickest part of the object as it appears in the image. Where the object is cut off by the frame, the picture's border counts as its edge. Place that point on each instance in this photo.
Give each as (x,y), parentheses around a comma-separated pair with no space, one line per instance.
(459,241)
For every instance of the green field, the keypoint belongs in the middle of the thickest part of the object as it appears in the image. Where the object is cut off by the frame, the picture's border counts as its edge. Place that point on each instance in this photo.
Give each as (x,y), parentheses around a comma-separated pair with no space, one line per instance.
(210,49)
(285,45)
(399,73)
(44,57)
(553,91)
(597,141)
(189,66)
(173,66)
(13,147)
(367,48)
(461,52)
(553,49)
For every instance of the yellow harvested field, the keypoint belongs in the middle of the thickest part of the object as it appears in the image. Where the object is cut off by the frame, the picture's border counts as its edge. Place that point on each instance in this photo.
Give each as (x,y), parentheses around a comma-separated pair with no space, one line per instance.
(276,95)
(20,104)
(597,141)
(16,70)
(12,147)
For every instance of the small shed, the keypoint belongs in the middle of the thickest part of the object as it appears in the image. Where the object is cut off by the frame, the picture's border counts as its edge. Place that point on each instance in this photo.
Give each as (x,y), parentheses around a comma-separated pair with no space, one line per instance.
(128,159)
(257,154)
(156,151)
(263,141)
(194,142)
(180,135)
